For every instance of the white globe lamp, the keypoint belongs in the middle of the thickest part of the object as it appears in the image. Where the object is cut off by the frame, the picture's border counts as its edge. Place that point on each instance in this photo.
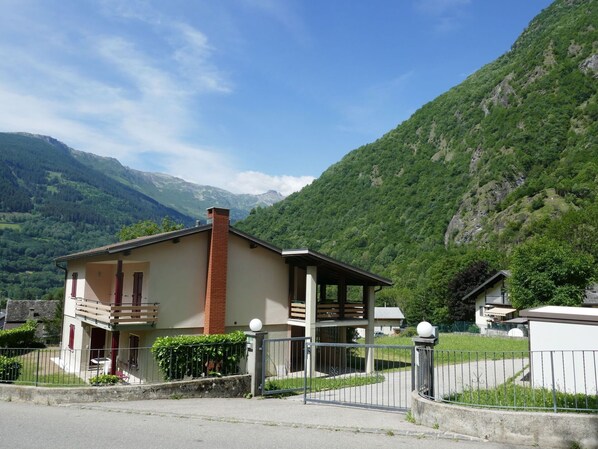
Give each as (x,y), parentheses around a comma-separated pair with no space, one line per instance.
(425,329)
(255,325)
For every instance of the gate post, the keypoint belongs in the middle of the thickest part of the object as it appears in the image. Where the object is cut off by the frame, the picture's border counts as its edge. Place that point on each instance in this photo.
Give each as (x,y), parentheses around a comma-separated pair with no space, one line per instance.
(255,364)
(424,354)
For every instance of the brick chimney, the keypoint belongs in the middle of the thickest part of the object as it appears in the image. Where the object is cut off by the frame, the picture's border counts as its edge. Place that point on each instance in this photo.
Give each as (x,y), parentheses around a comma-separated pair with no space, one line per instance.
(215,309)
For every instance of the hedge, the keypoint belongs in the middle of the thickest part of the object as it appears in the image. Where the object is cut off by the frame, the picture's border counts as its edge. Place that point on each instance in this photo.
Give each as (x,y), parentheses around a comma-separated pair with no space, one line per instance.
(199,355)
(19,337)
(10,369)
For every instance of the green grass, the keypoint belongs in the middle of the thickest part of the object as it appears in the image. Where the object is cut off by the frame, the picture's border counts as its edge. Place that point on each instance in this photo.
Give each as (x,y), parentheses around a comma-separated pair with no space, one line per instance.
(47,374)
(16,227)
(322,383)
(512,396)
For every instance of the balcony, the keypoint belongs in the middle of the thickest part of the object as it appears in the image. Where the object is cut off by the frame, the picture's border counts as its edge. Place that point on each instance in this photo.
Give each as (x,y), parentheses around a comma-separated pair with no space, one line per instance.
(330,311)
(112,316)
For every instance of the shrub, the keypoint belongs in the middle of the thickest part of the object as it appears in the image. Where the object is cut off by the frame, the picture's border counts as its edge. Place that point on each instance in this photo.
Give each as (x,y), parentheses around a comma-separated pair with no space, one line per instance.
(409,332)
(104,379)
(473,329)
(199,355)
(10,369)
(19,337)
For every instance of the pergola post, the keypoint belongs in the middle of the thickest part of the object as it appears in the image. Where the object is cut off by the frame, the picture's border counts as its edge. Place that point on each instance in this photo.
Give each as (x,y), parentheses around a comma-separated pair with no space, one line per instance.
(311,311)
(370,303)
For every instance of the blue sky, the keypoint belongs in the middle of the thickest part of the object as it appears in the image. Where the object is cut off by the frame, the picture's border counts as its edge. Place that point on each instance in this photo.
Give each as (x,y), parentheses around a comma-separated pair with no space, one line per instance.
(245,95)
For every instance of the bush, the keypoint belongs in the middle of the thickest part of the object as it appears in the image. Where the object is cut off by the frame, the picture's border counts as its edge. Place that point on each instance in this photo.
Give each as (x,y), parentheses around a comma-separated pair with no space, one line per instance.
(473,329)
(10,369)
(20,337)
(104,379)
(199,355)
(409,332)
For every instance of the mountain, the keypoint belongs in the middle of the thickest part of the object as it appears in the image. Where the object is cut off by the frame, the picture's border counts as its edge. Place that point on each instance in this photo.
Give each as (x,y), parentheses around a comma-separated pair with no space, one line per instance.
(503,156)
(187,198)
(56,200)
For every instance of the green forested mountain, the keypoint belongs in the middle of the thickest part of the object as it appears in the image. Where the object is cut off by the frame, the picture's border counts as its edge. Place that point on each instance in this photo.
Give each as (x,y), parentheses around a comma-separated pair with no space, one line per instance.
(50,205)
(509,153)
(55,200)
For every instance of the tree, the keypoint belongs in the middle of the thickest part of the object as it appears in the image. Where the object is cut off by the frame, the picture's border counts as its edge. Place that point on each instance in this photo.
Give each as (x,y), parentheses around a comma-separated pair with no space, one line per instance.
(462,283)
(547,272)
(148,227)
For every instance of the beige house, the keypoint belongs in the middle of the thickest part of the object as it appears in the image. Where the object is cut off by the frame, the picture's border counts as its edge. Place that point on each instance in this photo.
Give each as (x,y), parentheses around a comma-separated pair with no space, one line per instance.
(207,279)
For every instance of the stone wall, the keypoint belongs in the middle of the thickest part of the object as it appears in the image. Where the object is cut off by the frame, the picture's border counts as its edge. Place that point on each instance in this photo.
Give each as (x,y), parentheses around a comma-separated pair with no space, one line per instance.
(559,430)
(217,387)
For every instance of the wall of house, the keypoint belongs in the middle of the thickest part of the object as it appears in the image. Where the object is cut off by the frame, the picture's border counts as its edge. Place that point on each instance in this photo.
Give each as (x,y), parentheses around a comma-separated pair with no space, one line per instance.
(560,349)
(99,282)
(174,277)
(257,285)
(492,295)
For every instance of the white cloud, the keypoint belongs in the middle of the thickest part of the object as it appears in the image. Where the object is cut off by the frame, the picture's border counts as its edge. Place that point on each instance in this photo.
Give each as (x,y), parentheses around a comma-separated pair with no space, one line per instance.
(447,14)
(110,96)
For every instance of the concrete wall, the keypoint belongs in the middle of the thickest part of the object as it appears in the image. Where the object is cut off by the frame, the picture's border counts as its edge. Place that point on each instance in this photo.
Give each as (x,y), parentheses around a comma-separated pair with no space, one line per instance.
(559,430)
(224,387)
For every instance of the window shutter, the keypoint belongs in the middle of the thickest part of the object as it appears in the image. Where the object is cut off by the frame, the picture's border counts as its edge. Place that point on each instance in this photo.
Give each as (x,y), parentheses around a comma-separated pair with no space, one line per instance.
(74,277)
(72,336)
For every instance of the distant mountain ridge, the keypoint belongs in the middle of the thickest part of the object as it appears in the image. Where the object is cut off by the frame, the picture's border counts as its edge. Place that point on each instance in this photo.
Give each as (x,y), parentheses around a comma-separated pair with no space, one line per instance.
(186,197)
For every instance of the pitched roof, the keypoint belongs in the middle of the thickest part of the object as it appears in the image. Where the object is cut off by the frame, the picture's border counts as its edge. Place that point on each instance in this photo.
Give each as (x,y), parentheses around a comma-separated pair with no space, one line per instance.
(329,269)
(502,274)
(19,311)
(388,313)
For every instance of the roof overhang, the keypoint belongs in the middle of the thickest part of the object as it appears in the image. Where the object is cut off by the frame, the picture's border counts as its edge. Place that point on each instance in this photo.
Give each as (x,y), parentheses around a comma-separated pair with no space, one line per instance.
(331,271)
(502,274)
(562,314)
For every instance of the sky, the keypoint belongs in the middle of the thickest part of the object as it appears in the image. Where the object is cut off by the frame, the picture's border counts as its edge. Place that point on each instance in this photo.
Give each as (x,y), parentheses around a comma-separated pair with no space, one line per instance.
(245,95)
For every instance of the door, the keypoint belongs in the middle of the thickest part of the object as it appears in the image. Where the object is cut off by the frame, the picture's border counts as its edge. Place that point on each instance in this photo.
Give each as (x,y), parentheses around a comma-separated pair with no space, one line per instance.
(137,289)
(98,340)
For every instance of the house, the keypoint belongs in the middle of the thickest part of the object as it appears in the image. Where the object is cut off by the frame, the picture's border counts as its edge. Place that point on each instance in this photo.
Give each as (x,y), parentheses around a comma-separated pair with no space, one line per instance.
(18,312)
(386,320)
(563,348)
(2,317)
(590,298)
(492,304)
(206,279)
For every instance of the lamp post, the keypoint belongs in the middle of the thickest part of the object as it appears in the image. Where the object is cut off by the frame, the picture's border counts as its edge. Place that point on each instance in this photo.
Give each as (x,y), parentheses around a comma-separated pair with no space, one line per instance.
(424,353)
(255,351)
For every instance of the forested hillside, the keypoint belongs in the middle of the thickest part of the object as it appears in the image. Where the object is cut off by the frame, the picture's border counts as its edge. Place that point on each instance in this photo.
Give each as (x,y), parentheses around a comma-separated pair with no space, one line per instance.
(50,205)
(510,153)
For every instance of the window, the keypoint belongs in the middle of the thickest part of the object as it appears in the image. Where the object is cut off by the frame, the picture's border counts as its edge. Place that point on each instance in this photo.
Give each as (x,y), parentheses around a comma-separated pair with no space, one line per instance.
(71,337)
(133,351)
(74,278)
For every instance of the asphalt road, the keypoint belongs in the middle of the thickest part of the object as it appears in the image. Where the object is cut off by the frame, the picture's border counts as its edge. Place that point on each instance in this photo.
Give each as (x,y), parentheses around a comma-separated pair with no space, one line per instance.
(215,424)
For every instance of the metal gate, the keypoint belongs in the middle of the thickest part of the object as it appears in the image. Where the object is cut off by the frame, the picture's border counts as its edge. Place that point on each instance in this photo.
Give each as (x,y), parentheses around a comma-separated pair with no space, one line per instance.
(372,376)
(283,365)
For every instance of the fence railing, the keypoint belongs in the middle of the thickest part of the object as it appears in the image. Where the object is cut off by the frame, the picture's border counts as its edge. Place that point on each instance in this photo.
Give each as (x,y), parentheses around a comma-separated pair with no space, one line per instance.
(540,380)
(112,314)
(65,367)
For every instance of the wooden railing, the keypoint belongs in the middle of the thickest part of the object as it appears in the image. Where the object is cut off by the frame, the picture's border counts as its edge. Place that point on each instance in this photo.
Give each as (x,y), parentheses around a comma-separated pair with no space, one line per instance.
(330,311)
(113,315)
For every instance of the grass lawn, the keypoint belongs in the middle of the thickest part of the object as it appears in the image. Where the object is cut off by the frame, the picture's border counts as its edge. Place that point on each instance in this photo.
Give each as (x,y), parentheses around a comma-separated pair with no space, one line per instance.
(322,383)
(39,369)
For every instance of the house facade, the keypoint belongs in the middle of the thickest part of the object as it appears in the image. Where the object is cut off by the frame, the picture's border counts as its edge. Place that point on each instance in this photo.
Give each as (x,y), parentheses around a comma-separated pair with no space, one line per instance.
(18,312)
(205,280)
(492,303)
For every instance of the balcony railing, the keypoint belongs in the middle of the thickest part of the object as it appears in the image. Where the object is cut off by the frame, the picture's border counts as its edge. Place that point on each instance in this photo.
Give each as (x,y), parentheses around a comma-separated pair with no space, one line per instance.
(114,315)
(330,311)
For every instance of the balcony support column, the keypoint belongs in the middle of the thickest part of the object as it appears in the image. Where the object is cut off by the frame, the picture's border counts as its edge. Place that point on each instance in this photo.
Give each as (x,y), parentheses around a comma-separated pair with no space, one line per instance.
(114,351)
(370,303)
(118,289)
(311,311)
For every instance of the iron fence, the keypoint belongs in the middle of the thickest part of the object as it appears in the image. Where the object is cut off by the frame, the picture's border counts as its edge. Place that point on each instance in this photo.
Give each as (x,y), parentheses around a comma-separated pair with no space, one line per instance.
(65,367)
(540,380)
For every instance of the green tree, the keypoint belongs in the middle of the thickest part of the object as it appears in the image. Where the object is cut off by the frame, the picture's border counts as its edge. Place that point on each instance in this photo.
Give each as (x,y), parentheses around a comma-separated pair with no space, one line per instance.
(546,272)
(462,283)
(148,227)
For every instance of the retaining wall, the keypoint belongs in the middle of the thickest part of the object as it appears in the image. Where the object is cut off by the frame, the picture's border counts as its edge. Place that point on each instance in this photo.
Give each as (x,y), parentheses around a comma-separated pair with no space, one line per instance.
(559,430)
(213,387)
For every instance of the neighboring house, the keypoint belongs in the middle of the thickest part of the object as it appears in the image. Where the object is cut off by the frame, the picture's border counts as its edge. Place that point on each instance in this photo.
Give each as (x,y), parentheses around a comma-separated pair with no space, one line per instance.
(386,320)
(563,344)
(205,280)
(492,302)
(2,317)
(18,312)
(591,297)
